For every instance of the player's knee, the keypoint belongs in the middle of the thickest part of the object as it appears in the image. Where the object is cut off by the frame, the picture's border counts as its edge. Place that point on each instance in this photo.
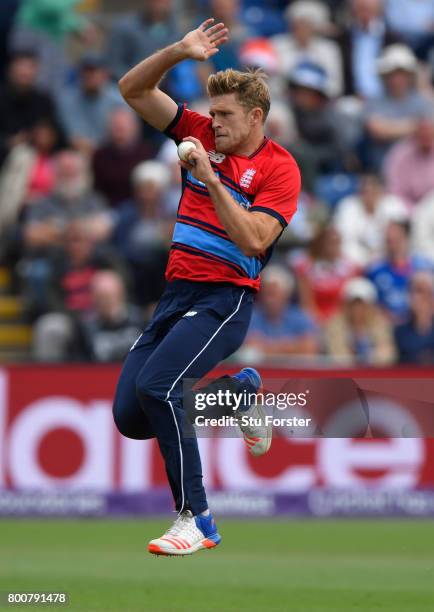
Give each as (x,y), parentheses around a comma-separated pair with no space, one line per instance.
(147,386)
(123,424)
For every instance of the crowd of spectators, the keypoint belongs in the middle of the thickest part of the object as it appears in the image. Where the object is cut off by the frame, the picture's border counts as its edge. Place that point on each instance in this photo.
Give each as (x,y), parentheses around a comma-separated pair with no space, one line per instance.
(89,193)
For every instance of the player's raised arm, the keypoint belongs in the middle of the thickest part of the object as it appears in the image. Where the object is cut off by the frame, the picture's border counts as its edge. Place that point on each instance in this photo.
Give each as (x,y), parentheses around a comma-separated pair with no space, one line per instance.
(139,86)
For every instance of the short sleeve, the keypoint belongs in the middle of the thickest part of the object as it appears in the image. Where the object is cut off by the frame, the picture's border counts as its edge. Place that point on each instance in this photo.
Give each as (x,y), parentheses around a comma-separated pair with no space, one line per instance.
(279,193)
(187,123)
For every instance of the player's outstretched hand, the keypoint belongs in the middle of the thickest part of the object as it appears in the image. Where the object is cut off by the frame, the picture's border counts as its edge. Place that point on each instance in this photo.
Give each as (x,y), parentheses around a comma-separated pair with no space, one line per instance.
(204,42)
(198,162)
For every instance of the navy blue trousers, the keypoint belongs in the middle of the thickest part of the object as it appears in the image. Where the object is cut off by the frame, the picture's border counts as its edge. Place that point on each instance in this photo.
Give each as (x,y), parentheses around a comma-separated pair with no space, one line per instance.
(194,327)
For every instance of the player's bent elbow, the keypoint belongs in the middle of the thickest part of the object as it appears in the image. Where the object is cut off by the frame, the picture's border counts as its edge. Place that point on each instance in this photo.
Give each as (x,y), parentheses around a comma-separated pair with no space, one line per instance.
(127,90)
(253,249)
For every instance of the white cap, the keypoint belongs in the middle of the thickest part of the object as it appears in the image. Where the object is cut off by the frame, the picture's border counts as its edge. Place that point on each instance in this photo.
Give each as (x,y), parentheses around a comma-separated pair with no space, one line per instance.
(153,172)
(397,57)
(315,12)
(360,288)
(276,273)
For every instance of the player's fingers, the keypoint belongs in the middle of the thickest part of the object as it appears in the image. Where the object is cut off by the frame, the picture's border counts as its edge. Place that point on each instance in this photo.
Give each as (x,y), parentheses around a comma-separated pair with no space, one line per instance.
(185,165)
(192,139)
(218,43)
(220,34)
(215,28)
(203,26)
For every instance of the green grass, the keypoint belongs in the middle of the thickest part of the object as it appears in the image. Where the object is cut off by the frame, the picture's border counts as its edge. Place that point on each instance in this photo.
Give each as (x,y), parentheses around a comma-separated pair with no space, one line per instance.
(267,566)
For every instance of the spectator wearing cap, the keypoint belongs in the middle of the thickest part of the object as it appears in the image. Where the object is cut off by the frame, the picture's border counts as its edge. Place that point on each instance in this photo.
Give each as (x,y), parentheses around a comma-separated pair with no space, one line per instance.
(279,327)
(85,108)
(114,161)
(409,166)
(361,220)
(317,146)
(360,334)
(391,275)
(143,230)
(22,103)
(303,43)
(415,337)
(322,273)
(361,43)
(394,115)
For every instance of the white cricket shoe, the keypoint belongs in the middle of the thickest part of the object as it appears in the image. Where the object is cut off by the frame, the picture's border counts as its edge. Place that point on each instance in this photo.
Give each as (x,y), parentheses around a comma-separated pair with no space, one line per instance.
(187,535)
(257,434)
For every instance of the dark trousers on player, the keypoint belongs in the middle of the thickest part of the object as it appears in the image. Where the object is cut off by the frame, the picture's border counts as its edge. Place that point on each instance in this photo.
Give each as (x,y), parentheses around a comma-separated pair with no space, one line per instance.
(194,327)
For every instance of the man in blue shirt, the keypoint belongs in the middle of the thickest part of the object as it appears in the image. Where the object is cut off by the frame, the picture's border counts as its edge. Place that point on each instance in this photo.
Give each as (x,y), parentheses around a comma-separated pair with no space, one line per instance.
(277,326)
(392,275)
(415,337)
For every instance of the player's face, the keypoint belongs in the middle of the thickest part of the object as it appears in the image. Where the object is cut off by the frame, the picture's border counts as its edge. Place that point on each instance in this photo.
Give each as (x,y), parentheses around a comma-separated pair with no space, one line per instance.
(231,123)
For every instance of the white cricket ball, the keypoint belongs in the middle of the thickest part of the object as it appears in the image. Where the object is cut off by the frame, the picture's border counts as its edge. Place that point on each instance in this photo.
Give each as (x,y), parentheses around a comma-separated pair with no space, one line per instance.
(184,149)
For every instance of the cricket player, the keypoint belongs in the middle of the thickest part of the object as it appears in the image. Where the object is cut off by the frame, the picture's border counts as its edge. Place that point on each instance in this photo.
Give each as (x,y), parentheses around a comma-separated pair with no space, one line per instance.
(239,191)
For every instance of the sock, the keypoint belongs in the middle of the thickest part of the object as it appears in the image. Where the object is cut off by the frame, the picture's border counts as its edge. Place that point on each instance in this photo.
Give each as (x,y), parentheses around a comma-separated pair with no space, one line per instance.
(205,512)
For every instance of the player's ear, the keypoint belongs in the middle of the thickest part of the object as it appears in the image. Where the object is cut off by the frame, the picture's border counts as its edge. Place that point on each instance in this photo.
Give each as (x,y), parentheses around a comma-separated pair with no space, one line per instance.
(256,116)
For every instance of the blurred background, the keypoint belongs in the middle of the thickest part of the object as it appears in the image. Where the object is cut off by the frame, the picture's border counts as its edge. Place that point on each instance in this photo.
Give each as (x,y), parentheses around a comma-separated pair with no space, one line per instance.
(88,200)
(89,196)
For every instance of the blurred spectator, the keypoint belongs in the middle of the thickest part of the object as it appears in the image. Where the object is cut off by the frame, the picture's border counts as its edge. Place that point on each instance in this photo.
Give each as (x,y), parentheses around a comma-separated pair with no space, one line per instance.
(46,25)
(280,125)
(168,155)
(259,53)
(414,21)
(391,276)
(317,145)
(361,43)
(136,36)
(115,160)
(229,55)
(415,337)
(394,115)
(28,172)
(46,220)
(85,108)
(22,104)
(409,166)
(143,233)
(322,273)
(113,325)
(72,197)
(305,19)
(228,11)
(360,333)
(361,220)
(422,235)
(279,327)
(68,295)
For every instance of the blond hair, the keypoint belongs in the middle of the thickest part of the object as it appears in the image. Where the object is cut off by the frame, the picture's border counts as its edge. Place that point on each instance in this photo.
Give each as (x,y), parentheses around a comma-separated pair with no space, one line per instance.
(250,88)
